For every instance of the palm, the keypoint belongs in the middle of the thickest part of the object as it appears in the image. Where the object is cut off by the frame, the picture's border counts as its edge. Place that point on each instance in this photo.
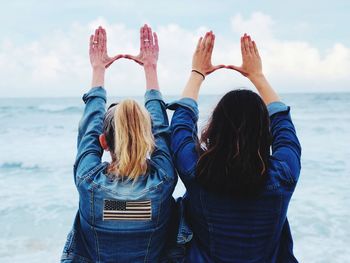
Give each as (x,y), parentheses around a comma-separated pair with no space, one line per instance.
(149,48)
(251,64)
(201,60)
(98,50)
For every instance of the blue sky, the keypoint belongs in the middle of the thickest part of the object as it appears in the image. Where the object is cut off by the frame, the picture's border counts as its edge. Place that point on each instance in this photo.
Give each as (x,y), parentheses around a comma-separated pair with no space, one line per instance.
(307,42)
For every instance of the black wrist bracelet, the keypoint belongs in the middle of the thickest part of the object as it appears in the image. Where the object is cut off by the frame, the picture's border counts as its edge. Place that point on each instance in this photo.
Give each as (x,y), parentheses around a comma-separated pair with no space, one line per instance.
(200,73)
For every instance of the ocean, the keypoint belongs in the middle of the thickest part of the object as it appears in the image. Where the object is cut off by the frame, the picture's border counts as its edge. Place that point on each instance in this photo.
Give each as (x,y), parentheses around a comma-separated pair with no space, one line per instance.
(39,199)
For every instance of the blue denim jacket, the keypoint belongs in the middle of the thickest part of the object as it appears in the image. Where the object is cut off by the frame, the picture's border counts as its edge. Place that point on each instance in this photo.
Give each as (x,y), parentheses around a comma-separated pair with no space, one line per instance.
(229,230)
(95,237)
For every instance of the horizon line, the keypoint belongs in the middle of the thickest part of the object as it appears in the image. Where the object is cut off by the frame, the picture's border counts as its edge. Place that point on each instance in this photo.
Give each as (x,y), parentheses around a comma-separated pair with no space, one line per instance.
(167,95)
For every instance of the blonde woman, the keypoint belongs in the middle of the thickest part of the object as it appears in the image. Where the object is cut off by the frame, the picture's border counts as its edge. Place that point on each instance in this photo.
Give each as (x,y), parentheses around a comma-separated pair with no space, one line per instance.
(124,206)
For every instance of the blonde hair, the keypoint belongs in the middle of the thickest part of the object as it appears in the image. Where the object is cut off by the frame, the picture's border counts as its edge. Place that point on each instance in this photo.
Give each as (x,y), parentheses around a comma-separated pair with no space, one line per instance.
(133,139)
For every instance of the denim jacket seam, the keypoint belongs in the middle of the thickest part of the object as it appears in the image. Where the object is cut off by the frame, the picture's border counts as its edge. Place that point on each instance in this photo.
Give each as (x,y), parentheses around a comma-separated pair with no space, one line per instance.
(70,242)
(287,172)
(88,174)
(164,176)
(92,218)
(151,235)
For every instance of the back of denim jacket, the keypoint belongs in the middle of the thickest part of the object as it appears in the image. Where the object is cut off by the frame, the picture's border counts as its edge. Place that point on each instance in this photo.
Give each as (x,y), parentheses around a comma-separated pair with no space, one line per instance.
(247,230)
(125,221)
(120,220)
(227,229)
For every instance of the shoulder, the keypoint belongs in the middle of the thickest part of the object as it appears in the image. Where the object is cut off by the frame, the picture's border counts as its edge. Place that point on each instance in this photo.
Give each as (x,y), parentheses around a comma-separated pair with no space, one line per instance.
(157,173)
(87,175)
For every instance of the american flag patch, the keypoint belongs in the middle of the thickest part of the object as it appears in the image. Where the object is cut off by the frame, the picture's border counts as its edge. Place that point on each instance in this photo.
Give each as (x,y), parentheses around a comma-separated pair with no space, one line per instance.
(127,210)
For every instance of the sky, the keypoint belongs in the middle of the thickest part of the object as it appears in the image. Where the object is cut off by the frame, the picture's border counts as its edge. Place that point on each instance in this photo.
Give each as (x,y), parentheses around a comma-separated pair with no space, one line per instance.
(304,45)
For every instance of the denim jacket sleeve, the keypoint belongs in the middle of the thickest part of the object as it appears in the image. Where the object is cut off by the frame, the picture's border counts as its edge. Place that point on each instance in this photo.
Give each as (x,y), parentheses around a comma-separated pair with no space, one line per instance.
(160,127)
(90,127)
(184,137)
(285,145)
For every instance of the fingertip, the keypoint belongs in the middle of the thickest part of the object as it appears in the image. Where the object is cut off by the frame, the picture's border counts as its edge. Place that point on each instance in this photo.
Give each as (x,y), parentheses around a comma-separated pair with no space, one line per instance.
(200,40)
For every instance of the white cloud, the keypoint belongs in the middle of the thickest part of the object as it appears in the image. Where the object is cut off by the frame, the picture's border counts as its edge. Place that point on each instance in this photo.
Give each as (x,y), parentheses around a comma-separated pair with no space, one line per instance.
(297,63)
(58,64)
(259,25)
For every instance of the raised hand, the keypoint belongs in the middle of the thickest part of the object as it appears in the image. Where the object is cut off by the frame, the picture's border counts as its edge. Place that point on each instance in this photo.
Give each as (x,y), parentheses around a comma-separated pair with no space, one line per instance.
(201,60)
(251,66)
(149,48)
(252,69)
(98,50)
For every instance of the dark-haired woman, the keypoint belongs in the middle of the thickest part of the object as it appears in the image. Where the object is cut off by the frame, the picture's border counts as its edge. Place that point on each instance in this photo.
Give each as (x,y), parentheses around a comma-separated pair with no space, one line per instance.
(237,192)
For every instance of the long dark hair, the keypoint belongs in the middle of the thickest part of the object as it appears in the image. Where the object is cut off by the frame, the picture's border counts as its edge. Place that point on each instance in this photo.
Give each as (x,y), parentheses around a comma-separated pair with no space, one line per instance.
(235,146)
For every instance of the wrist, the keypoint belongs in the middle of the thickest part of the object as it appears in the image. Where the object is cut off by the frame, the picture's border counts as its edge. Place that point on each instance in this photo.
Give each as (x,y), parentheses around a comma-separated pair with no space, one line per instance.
(150,68)
(98,70)
(98,77)
(151,77)
(198,72)
(256,77)
(195,76)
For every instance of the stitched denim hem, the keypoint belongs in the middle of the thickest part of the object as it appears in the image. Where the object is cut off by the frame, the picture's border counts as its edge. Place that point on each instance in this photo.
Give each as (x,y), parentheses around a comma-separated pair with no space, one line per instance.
(74,258)
(153,94)
(186,103)
(95,92)
(275,107)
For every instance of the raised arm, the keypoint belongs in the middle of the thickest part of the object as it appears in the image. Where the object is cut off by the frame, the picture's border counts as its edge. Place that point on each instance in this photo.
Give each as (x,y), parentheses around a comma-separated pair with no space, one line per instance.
(285,145)
(148,58)
(89,151)
(184,121)
(201,65)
